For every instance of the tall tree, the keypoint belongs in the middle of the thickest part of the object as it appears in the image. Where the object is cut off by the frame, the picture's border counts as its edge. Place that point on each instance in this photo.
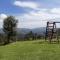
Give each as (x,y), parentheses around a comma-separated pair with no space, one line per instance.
(9,27)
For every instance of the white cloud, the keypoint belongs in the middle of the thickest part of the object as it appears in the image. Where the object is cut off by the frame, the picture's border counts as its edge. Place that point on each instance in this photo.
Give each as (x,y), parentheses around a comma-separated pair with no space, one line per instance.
(35,19)
(38,18)
(2,17)
(55,10)
(26,4)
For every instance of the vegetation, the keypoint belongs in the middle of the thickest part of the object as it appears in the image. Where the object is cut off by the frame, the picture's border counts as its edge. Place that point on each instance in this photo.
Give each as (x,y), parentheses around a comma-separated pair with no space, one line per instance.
(30,50)
(33,36)
(9,27)
(26,50)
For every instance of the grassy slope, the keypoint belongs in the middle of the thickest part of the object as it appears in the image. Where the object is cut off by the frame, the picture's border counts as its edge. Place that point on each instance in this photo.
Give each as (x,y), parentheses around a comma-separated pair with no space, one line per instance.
(30,50)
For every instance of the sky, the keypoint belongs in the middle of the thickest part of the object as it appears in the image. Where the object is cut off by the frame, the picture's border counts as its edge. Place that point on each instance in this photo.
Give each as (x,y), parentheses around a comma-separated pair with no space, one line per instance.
(30,13)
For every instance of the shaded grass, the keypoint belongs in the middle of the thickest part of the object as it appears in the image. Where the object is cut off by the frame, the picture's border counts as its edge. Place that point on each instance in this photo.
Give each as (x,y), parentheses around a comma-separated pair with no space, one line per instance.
(30,50)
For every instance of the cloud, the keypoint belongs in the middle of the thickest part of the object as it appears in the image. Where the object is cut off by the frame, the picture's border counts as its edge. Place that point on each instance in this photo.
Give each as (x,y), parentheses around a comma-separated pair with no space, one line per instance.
(2,17)
(55,10)
(35,19)
(26,4)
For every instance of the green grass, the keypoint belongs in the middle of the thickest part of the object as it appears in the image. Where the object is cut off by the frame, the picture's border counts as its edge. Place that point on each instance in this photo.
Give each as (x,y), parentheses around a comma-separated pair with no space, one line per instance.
(30,50)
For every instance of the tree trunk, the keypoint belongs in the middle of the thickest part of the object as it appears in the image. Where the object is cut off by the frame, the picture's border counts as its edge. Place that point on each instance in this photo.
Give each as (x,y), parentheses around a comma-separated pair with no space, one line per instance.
(8,39)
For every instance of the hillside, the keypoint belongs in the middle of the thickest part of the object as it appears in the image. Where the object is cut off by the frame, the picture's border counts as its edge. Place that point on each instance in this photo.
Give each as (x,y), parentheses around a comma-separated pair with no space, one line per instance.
(21,32)
(30,50)
(26,30)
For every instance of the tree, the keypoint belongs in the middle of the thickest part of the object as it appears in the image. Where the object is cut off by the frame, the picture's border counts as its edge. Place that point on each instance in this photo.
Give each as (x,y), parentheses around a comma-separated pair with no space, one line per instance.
(9,27)
(35,36)
(30,34)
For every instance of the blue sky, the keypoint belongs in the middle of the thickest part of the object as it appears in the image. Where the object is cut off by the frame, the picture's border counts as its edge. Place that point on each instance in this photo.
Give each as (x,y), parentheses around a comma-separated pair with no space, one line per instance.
(30,13)
(8,7)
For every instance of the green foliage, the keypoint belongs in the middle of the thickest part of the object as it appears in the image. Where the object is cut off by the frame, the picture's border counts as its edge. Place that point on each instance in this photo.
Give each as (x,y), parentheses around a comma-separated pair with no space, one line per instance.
(9,27)
(58,31)
(33,36)
(30,50)
(29,36)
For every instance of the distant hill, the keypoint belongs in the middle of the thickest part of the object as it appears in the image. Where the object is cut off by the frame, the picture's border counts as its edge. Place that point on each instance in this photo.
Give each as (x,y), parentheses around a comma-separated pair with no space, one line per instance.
(40,30)
(23,30)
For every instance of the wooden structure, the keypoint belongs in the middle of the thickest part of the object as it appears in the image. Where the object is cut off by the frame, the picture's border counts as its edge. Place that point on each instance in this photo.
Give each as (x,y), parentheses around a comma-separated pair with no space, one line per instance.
(51,31)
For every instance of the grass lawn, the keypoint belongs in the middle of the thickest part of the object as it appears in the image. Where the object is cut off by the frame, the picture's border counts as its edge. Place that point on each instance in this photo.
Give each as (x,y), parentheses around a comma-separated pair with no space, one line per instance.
(30,50)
